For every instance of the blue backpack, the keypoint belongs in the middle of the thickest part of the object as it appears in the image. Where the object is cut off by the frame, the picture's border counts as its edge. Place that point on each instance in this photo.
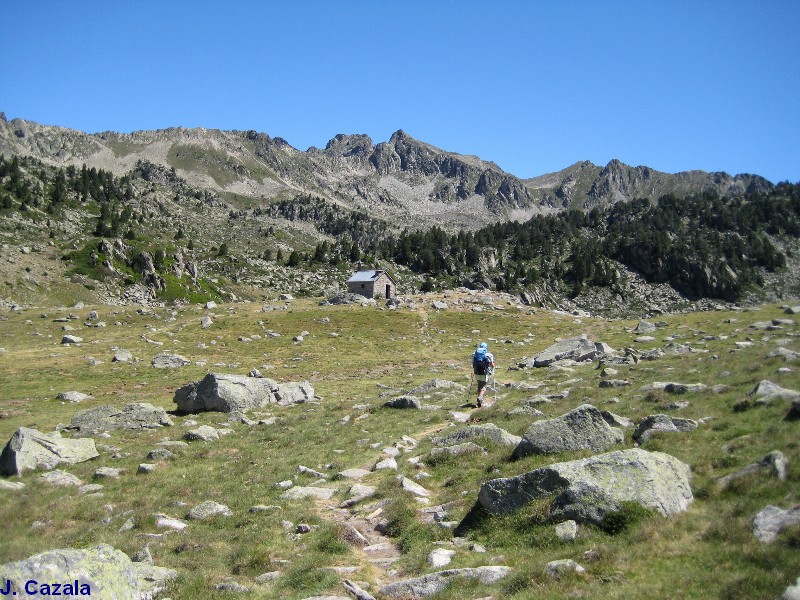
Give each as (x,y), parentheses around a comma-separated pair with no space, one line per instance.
(481,362)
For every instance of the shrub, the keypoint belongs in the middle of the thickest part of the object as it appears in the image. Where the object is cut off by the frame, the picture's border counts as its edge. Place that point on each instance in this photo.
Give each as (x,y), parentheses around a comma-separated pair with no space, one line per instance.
(629,514)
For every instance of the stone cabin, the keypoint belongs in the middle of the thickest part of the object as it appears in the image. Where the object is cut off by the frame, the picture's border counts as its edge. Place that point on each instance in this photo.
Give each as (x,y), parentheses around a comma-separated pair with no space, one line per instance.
(372,284)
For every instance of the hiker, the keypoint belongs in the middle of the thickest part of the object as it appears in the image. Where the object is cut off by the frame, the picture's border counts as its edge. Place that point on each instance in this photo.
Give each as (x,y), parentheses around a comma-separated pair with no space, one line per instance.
(482,366)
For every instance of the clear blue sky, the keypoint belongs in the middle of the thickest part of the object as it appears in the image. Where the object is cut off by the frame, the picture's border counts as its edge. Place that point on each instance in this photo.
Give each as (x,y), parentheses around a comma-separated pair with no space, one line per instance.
(531,85)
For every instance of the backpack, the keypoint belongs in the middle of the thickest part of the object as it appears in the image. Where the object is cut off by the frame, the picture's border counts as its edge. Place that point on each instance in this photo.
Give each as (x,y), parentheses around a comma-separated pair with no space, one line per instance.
(481,363)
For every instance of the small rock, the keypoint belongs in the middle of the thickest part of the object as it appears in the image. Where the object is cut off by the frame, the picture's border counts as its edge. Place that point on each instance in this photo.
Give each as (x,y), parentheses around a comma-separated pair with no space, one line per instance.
(127,525)
(557,568)
(567,531)
(440,557)
(73,396)
(614,383)
(204,433)
(771,521)
(268,577)
(122,356)
(107,473)
(59,477)
(404,402)
(232,586)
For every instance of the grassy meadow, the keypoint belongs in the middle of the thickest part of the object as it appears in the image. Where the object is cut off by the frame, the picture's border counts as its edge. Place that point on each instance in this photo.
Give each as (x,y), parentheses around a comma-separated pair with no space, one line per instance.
(357,358)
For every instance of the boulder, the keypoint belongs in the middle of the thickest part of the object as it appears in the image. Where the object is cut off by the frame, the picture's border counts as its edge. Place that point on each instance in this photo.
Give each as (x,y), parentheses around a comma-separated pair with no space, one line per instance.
(435,386)
(29,449)
(613,383)
(440,557)
(773,463)
(107,473)
(488,431)
(413,487)
(204,433)
(238,393)
(428,585)
(768,391)
(122,356)
(616,420)
(557,568)
(386,463)
(644,327)
(653,423)
(567,531)
(359,492)
(586,490)
(136,416)
(784,353)
(771,521)
(169,361)
(793,591)
(59,477)
(71,339)
(577,348)
(457,450)
(73,396)
(404,402)
(99,572)
(207,510)
(580,429)
(299,492)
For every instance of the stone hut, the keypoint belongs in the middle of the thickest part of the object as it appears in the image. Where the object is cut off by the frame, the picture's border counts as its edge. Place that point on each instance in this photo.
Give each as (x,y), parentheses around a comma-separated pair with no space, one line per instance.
(372,284)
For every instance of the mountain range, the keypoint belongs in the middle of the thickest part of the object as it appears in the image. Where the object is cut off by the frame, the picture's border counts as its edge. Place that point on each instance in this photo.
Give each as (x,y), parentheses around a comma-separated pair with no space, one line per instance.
(404,181)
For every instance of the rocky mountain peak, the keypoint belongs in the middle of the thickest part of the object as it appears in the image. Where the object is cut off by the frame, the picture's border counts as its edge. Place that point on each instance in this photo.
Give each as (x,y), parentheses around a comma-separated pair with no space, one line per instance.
(359,145)
(403,176)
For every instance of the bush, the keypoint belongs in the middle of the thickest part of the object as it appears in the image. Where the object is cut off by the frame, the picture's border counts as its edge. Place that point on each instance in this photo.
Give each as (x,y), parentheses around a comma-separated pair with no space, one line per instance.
(629,514)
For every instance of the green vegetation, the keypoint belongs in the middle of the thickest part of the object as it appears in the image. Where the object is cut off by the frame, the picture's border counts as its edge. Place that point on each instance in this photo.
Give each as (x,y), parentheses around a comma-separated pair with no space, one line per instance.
(707,552)
(702,245)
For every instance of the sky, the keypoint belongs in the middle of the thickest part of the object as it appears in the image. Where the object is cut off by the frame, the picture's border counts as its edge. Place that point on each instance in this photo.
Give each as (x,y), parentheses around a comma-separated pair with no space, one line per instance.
(533,86)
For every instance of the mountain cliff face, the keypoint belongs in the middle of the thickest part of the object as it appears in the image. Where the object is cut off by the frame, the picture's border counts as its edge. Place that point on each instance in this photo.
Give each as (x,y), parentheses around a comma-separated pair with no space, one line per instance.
(585,185)
(403,180)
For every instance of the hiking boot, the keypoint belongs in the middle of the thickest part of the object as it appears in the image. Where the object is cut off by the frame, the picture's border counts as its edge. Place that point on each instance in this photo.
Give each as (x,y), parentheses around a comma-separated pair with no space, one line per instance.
(479,403)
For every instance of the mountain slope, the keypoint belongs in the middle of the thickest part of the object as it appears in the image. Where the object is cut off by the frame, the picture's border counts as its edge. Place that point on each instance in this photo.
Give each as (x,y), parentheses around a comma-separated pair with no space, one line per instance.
(405,181)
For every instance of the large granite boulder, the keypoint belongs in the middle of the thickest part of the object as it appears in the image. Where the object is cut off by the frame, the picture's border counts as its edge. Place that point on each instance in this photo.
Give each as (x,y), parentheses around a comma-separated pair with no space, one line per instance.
(488,431)
(428,585)
(577,348)
(237,393)
(98,572)
(136,416)
(586,490)
(583,428)
(29,449)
